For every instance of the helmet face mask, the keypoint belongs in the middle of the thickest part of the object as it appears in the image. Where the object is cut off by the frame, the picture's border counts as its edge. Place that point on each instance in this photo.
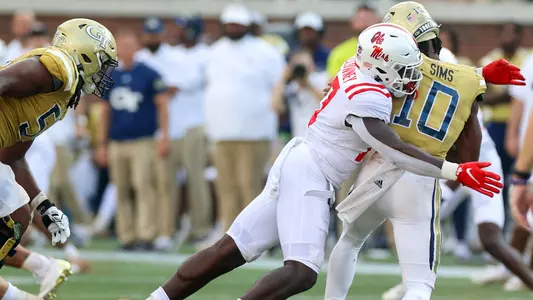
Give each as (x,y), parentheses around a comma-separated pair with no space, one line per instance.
(93,49)
(102,79)
(389,54)
(407,80)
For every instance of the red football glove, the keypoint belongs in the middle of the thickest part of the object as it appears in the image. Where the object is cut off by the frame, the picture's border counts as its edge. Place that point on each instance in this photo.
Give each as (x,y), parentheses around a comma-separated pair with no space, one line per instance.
(470,174)
(501,72)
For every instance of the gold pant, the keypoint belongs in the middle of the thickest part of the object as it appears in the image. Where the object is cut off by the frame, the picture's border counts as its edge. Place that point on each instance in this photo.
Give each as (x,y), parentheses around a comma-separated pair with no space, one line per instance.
(61,186)
(131,166)
(240,175)
(191,153)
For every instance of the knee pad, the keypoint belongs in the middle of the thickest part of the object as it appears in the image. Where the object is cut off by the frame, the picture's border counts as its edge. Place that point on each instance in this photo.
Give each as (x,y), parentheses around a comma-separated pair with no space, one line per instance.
(9,242)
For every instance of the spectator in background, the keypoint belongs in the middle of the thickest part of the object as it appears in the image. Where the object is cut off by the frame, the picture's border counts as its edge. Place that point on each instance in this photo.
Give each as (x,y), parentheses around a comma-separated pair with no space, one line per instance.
(135,108)
(364,16)
(299,91)
(241,72)
(259,21)
(496,102)
(37,37)
(178,73)
(450,40)
(20,26)
(309,34)
(187,120)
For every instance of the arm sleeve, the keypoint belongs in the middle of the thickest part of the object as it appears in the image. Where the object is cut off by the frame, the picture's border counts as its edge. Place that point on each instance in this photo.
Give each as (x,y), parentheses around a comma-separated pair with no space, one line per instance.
(61,67)
(398,158)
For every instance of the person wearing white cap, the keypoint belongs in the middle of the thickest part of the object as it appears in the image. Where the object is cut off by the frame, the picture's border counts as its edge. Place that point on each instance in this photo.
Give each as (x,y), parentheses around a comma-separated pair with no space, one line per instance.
(310,31)
(241,71)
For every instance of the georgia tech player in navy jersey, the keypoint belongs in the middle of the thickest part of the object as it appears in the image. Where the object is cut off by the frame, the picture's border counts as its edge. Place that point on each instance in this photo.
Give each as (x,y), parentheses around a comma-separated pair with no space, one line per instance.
(36,90)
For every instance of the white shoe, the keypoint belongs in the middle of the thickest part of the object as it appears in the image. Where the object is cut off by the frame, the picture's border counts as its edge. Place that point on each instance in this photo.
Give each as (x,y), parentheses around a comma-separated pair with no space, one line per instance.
(491,274)
(514,284)
(462,252)
(57,273)
(395,293)
(184,232)
(213,237)
(83,234)
(163,243)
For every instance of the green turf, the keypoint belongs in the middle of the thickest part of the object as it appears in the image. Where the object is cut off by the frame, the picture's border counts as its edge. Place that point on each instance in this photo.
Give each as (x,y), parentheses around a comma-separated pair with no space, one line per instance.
(121,280)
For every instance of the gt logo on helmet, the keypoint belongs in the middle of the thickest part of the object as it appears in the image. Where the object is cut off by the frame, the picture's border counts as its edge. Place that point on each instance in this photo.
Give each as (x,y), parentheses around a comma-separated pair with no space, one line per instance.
(98,34)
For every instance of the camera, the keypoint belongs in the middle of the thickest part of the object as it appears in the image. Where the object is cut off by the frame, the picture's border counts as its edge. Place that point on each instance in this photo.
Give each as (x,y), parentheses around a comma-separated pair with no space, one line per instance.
(299,71)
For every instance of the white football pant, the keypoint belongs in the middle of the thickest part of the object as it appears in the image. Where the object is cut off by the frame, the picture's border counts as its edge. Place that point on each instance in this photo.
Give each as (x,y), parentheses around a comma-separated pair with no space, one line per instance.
(292,210)
(412,204)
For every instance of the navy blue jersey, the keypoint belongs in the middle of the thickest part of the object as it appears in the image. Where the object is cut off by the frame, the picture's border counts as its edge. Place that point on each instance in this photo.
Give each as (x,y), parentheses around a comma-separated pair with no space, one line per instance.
(132,101)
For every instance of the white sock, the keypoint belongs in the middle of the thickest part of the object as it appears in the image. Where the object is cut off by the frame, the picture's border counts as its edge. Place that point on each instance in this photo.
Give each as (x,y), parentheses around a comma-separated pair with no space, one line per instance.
(341,267)
(71,251)
(13,293)
(159,294)
(417,291)
(37,264)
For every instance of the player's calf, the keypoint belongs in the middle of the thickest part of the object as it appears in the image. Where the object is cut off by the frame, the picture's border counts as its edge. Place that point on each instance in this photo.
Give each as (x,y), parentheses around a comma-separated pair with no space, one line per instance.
(493,242)
(201,268)
(291,279)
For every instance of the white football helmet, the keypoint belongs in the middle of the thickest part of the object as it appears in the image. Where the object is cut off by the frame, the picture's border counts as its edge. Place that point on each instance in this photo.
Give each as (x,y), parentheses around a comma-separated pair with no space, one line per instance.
(390,54)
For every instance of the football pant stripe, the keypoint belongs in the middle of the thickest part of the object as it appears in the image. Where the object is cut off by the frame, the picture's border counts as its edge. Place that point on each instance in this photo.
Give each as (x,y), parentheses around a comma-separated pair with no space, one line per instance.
(435,236)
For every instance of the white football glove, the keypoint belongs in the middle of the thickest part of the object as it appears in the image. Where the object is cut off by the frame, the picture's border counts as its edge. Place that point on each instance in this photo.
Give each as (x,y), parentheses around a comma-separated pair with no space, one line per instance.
(55,221)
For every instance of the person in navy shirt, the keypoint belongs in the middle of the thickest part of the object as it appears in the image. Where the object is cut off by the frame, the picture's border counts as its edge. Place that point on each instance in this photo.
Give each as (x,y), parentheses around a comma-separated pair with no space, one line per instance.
(310,32)
(134,125)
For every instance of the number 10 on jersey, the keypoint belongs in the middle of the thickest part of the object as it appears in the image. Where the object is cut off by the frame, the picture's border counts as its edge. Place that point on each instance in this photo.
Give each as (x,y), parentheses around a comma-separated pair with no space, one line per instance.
(402,119)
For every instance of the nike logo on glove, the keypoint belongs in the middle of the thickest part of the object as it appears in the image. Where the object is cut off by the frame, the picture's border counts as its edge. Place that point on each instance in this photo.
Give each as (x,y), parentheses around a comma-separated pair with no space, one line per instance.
(469,172)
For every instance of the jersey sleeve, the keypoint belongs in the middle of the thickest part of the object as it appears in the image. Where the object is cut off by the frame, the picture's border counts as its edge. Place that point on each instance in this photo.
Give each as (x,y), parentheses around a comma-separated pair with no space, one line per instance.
(481,87)
(158,84)
(60,65)
(368,100)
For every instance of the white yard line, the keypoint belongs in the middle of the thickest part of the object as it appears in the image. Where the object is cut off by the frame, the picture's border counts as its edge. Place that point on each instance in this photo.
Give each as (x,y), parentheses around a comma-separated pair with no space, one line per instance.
(169,259)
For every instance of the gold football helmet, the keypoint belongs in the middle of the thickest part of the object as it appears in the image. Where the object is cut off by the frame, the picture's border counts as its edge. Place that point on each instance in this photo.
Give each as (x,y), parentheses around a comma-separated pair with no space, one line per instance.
(93,48)
(414,17)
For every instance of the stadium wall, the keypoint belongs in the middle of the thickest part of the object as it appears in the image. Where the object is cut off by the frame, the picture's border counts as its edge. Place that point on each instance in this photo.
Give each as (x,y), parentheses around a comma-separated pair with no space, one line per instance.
(477,24)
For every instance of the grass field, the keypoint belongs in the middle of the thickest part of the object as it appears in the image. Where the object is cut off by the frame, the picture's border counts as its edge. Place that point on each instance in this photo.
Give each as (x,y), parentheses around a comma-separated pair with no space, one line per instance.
(134,276)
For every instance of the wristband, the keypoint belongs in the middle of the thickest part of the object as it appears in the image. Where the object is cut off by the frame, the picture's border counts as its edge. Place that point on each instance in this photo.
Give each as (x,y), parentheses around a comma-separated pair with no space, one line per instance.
(519,181)
(35,202)
(44,206)
(522,175)
(449,170)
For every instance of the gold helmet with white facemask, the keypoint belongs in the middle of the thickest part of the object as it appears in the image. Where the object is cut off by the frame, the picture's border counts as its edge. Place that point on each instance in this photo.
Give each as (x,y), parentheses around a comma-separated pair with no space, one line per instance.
(93,49)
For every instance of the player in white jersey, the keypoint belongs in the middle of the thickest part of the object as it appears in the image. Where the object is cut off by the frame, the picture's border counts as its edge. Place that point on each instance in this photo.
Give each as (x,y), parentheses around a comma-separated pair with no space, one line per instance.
(293,209)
